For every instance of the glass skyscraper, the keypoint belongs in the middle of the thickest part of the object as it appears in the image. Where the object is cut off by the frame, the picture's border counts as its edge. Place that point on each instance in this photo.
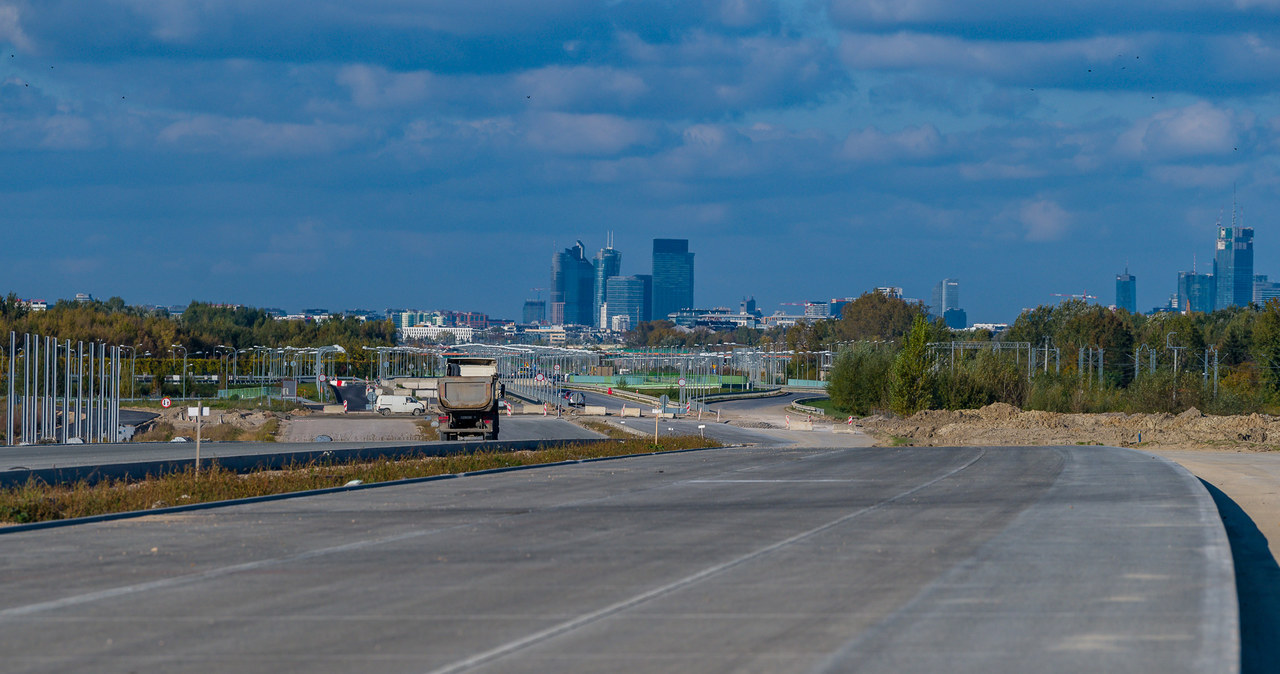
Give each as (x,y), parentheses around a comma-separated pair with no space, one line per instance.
(1233,267)
(629,296)
(1127,292)
(572,283)
(946,295)
(1196,292)
(672,277)
(607,265)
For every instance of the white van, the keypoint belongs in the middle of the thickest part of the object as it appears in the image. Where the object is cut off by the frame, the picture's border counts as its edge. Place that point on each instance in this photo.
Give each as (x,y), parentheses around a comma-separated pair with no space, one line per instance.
(399,405)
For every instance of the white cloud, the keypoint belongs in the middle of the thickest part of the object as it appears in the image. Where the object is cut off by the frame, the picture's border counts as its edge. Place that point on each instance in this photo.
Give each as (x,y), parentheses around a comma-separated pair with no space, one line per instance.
(11,28)
(208,133)
(910,144)
(373,87)
(1200,129)
(593,135)
(1044,220)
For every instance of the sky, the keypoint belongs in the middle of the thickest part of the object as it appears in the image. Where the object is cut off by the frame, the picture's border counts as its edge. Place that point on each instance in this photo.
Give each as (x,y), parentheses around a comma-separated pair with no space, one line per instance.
(434,155)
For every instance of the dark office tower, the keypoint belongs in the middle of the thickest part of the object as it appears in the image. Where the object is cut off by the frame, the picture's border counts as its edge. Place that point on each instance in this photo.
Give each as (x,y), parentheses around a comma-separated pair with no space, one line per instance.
(946,295)
(607,265)
(629,296)
(672,277)
(1127,292)
(1233,267)
(1195,292)
(572,280)
(535,311)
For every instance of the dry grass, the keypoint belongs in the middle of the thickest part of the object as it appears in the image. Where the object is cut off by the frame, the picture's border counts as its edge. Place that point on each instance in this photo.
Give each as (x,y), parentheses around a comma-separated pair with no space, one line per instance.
(38,502)
(164,431)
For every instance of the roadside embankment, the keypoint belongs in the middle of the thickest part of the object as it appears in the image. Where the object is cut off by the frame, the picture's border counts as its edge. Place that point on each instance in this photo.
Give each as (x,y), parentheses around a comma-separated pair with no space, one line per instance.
(1002,424)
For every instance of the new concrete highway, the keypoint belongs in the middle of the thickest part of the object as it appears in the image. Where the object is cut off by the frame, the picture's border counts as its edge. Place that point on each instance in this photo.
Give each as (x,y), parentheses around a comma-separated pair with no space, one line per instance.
(1053,559)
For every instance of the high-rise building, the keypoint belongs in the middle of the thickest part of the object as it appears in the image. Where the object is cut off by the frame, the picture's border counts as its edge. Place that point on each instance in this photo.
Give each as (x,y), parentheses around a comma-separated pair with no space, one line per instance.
(672,277)
(1233,267)
(1264,290)
(572,282)
(608,264)
(956,319)
(1196,292)
(535,312)
(1127,292)
(946,295)
(629,296)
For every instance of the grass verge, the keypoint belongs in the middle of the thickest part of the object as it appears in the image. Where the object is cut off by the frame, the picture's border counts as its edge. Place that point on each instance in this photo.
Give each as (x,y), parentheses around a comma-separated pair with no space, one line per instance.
(39,502)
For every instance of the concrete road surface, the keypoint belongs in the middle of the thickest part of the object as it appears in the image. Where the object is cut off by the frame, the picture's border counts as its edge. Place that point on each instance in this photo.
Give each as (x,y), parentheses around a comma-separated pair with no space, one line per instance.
(1044,559)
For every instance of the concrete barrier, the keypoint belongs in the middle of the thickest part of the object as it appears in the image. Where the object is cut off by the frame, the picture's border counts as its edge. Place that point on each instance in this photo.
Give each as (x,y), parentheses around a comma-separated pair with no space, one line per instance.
(536,408)
(842,428)
(800,426)
(593,410)
(632,412)
(666,415)
(333,409)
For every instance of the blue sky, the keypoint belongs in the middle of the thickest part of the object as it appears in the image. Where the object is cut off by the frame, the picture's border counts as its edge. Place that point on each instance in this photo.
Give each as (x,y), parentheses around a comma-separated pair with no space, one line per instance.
(304,153)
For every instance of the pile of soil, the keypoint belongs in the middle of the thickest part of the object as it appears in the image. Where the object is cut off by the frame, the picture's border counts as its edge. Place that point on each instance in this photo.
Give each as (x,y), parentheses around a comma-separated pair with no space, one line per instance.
(1003,424)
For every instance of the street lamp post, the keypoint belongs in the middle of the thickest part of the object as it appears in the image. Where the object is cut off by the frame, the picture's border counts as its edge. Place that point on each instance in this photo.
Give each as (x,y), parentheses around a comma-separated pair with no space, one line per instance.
(183,375)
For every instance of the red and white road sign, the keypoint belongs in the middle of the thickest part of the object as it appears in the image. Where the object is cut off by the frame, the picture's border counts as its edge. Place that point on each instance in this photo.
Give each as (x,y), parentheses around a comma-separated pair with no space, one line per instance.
(166,402)
(557,367)
(540,378)
(320,378)
(680,382)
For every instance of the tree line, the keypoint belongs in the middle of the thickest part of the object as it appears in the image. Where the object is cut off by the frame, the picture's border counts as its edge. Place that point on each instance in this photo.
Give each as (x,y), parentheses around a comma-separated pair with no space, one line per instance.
(1228,360)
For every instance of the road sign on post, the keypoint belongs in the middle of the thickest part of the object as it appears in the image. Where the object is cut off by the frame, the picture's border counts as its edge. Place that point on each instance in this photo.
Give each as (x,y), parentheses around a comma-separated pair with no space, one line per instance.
(166,402)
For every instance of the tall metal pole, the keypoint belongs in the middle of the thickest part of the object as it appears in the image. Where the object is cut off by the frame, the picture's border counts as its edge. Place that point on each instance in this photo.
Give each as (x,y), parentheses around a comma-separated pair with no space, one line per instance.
(8,436)
(66,396)
(26,387)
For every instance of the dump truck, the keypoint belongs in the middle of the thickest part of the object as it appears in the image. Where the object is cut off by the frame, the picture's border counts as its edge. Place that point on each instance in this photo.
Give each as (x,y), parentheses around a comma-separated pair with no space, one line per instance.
(468,397)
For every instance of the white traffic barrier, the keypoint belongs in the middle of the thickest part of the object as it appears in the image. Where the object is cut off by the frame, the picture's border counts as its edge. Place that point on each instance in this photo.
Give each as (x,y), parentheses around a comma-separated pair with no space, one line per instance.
(594,410)
(631,411)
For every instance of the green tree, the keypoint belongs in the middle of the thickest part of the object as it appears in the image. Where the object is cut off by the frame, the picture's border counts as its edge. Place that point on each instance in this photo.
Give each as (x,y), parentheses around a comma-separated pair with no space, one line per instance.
(859,379)
(910,388)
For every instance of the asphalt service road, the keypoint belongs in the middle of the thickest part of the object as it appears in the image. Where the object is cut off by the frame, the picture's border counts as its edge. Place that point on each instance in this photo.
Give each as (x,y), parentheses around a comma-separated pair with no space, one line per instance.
(764,559)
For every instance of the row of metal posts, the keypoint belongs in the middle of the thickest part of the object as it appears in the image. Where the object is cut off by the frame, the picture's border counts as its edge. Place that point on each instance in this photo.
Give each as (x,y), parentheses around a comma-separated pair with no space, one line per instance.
(88,395)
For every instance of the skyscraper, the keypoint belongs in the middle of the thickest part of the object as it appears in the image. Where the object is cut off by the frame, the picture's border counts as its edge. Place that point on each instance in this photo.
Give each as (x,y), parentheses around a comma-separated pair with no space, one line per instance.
(1233,267)
(1195,292)
(608,264)
(946,295)
(1127,292)
(535,311)
(629,296)
(572,281)
(672,277)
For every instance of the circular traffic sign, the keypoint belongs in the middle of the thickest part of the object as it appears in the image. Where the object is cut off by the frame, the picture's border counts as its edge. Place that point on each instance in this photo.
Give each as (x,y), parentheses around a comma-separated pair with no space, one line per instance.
(540,377)
(680,382)
(166,403)
(320,378)
(557,367)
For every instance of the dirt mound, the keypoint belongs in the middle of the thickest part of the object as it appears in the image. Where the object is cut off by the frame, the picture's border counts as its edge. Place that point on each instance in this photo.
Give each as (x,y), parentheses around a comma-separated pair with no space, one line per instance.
(1002,424)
